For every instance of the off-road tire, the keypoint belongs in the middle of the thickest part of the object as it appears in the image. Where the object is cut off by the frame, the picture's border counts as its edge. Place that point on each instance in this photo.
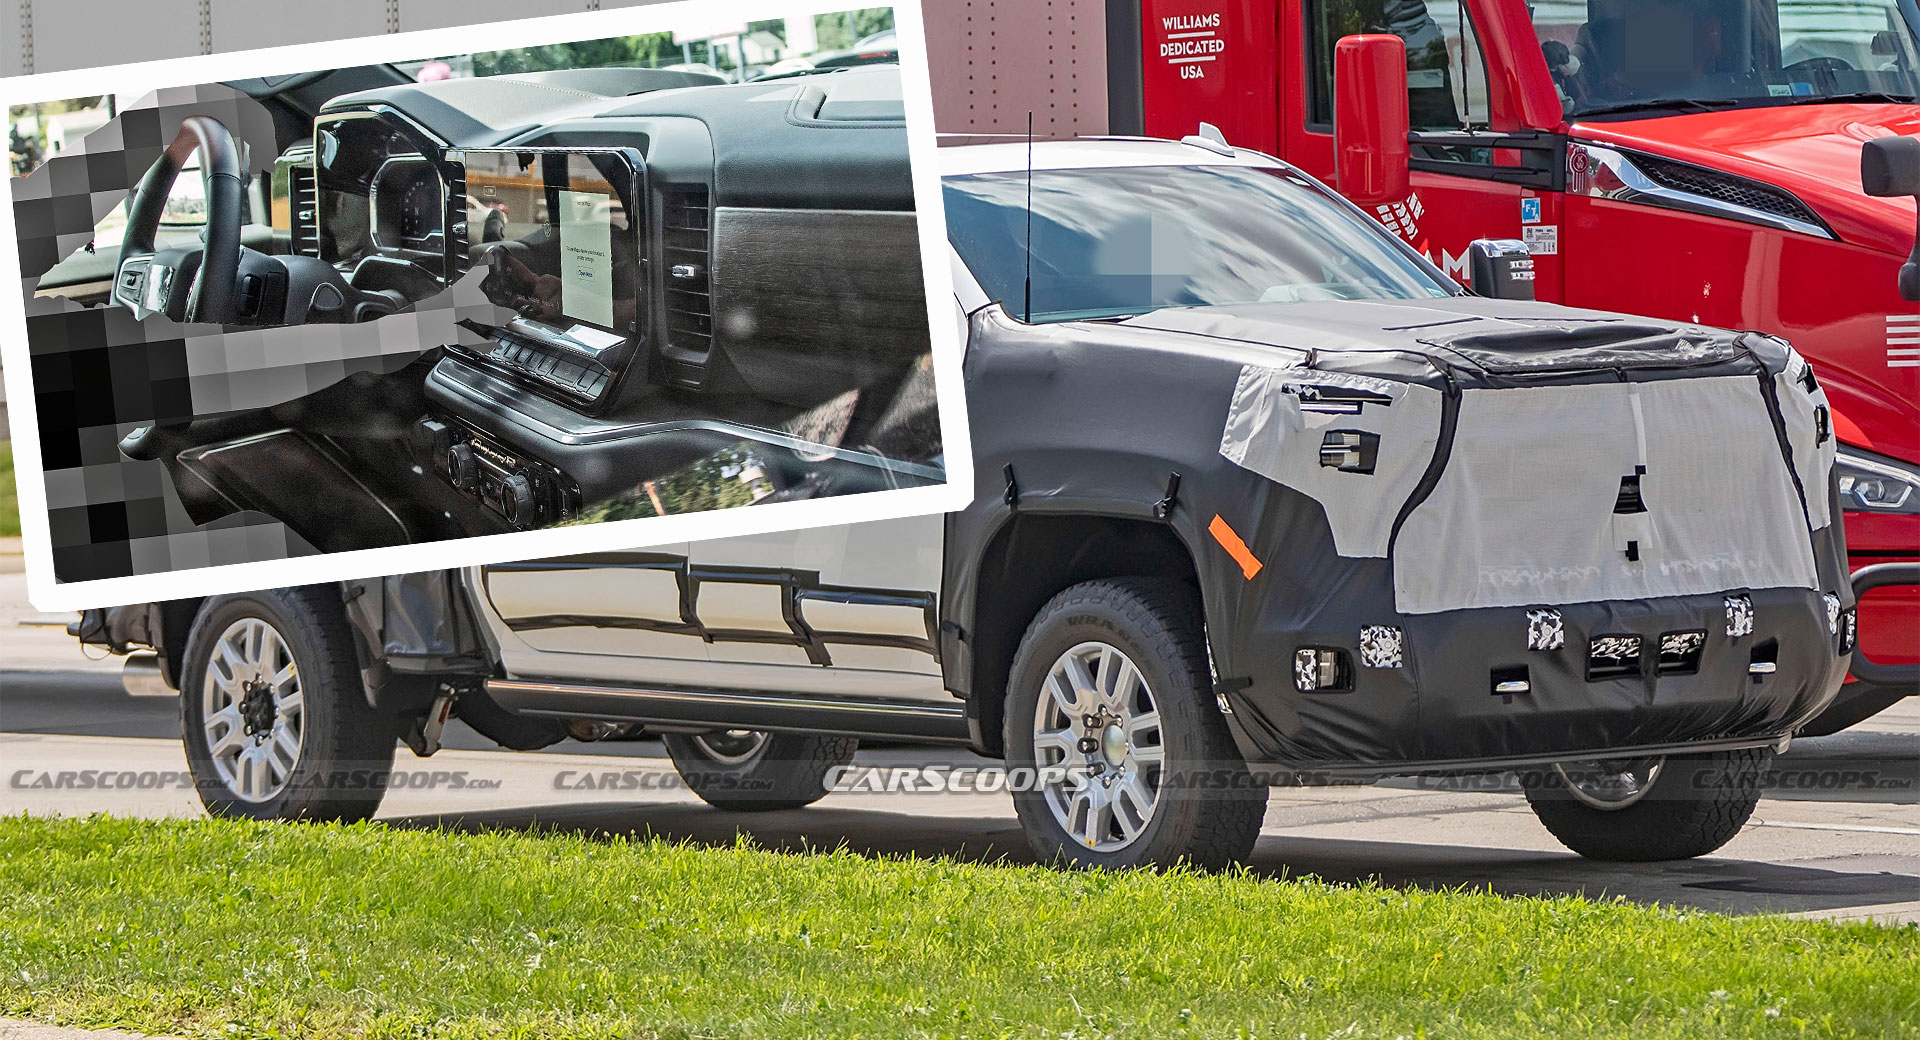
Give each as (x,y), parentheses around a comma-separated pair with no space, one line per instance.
(346,749)
(789,770)
(1696,804)
(1157,624)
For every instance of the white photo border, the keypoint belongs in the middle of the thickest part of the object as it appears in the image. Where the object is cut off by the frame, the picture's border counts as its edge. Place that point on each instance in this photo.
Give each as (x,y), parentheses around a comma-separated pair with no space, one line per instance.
(46,593)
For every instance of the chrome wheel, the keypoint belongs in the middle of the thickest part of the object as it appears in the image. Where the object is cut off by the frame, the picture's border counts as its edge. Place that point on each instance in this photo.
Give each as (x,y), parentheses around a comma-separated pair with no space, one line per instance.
(1098,746)
(251,707)
(1610,784)
(733,747)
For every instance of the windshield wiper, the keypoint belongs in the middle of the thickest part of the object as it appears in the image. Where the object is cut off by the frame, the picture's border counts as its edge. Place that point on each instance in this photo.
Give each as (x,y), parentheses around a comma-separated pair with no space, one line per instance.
(1865,96)
(1684,104)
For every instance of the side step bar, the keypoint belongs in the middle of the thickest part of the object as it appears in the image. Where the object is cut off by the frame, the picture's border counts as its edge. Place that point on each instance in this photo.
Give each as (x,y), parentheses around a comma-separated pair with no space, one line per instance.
(735,709)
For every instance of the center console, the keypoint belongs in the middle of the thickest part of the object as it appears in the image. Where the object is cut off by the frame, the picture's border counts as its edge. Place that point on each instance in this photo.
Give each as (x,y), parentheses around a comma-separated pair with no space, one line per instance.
(561,233)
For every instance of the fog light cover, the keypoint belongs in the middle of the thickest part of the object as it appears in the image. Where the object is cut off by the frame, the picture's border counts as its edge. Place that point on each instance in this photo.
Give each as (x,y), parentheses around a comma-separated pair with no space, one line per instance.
(1545,630)
(1613,657)
(1382,646)
(1833,613)
(1315,668)
(1680,652)
(1739,616)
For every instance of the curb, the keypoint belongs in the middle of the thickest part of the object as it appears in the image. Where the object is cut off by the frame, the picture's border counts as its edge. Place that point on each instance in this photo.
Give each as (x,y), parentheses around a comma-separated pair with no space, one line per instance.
(15,1029)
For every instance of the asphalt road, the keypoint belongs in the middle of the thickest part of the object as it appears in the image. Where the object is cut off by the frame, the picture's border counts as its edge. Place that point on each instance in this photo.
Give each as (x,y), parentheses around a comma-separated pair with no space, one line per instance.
(1844,842)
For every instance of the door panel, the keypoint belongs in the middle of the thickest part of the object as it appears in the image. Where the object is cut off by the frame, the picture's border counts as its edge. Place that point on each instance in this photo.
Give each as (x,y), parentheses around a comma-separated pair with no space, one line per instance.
(865,592)
(847,611)
(620,604)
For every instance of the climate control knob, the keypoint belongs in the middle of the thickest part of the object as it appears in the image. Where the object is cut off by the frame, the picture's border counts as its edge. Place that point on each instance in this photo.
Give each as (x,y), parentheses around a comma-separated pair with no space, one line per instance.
(517,501)
(462,469)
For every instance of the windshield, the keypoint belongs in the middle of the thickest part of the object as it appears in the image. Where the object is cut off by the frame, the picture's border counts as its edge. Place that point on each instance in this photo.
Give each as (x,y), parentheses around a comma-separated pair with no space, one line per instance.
(1111,243)
(1634,54)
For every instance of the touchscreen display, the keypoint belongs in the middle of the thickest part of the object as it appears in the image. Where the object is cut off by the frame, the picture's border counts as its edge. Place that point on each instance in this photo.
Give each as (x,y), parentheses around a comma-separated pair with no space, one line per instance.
(555,233)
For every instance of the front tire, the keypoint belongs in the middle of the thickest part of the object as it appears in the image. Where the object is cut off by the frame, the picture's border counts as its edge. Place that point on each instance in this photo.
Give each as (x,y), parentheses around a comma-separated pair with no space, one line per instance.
(1110,705)
(273,713)
(753,771)
(1652,809)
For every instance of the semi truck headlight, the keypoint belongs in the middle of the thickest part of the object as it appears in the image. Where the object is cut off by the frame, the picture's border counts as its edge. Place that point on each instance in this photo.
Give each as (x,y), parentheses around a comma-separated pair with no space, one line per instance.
(1875,484)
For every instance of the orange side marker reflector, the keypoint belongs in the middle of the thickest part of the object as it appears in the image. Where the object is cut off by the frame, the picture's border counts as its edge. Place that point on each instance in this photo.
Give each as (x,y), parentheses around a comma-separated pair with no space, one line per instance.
(1230,541)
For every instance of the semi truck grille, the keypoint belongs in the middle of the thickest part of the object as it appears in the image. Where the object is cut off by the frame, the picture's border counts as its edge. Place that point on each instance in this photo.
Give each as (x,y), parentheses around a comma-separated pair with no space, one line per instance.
(1725,187)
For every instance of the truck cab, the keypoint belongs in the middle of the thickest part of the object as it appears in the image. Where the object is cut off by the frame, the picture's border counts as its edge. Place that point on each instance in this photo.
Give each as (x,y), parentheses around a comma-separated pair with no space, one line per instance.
(1694,160)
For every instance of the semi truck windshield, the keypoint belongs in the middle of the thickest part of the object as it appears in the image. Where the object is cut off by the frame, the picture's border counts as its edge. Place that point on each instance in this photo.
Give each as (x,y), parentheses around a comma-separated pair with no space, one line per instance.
(1110,243)
(1610,55)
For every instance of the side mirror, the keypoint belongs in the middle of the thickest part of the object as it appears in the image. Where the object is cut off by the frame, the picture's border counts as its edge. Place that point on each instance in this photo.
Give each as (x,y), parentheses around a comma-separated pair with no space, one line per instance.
(1370,118)
(1890,167)
(1501,268)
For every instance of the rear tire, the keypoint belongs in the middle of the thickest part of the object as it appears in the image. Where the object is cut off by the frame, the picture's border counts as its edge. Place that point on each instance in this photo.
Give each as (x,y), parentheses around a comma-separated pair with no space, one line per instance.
(751,771)
(1129,705)
(273,713)
(1693,806)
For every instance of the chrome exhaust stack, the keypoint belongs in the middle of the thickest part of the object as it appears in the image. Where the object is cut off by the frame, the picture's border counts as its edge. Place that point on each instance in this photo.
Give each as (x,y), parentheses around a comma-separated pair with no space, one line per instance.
(142,678)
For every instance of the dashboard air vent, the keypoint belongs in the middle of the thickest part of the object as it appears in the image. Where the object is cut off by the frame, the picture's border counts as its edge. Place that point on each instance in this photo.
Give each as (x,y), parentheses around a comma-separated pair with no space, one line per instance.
(1727,188)
(687,224)
(304,199)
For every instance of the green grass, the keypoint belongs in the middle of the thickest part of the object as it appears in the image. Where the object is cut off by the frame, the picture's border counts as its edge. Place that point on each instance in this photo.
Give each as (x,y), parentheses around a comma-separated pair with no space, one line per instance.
(9,494)
(235,930)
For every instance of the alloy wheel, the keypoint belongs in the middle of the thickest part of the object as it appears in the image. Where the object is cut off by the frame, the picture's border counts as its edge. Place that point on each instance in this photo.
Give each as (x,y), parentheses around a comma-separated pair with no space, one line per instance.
(1610,784)
(1098,747)
(733,747)
(252,710)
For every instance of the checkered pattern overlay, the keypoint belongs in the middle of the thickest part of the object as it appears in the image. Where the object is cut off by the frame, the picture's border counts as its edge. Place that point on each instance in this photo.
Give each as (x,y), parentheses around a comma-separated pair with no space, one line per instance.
(99,374)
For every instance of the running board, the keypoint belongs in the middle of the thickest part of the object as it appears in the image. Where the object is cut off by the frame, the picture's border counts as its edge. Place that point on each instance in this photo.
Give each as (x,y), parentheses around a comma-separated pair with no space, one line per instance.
(735,709)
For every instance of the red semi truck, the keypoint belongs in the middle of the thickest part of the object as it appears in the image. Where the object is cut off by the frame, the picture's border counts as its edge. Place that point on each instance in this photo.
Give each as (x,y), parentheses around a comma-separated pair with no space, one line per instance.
(1696,160)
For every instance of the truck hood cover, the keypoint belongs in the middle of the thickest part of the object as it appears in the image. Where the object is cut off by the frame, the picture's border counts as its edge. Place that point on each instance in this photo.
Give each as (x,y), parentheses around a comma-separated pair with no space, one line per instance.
(1532,455)
(1488,338)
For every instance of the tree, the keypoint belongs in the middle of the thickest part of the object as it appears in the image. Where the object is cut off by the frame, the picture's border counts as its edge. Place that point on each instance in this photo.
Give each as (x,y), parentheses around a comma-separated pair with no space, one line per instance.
(614,52)
(839,32)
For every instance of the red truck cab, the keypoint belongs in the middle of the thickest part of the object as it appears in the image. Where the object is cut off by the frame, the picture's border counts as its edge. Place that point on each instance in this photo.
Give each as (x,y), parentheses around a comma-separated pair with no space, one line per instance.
(1696,160)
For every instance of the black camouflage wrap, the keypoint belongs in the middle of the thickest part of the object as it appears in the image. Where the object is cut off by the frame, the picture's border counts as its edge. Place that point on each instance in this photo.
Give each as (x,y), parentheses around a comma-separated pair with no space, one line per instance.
(1092,418)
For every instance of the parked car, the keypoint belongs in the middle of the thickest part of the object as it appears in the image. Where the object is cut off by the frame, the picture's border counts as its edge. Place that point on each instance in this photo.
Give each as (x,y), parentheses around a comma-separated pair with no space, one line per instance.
(882,47)
(1262,496)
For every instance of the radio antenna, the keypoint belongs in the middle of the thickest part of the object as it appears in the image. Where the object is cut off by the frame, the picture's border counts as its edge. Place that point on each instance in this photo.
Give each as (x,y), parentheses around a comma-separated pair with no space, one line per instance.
(1029,276)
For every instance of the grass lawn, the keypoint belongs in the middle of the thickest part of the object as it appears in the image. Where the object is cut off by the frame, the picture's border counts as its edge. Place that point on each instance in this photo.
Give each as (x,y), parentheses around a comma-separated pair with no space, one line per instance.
(9,494)
(237,930)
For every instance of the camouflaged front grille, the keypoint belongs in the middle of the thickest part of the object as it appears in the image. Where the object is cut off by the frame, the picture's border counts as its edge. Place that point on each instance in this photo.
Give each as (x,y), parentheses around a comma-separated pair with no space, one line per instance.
(1727,188)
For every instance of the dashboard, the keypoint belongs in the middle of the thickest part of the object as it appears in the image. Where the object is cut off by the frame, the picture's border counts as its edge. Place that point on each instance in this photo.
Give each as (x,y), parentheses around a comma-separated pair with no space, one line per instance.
(581,221)
(407,206)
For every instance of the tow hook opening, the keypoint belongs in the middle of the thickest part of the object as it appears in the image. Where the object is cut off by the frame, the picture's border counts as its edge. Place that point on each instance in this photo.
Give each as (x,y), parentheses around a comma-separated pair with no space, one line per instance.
(1765,659)
(1510,680)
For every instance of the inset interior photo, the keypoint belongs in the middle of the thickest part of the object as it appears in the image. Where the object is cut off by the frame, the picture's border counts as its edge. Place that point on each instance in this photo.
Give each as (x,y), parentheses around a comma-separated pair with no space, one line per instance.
(473,294)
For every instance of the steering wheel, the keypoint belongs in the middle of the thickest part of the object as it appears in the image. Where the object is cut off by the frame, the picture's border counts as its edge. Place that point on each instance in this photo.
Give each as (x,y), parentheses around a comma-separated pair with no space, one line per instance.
(1822,68)
(198,284)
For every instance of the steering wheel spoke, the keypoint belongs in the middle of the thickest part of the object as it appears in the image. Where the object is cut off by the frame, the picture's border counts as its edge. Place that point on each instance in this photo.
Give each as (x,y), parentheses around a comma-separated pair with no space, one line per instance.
(198,284)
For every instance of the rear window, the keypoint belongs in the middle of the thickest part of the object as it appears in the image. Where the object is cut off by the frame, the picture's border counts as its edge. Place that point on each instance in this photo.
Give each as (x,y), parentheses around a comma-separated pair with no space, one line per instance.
(1111,243)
